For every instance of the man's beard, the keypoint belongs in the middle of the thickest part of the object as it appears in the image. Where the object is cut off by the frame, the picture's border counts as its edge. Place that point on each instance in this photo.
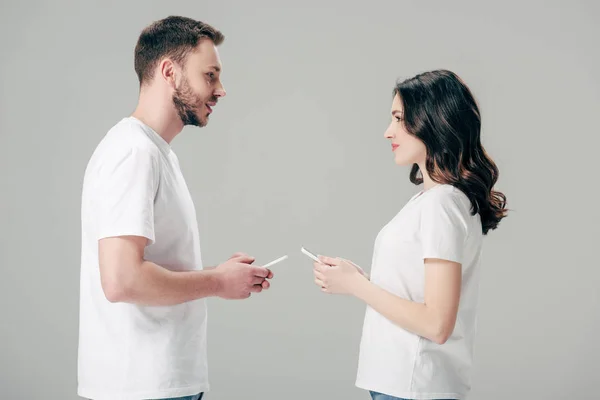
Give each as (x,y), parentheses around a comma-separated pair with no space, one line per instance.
(186,104)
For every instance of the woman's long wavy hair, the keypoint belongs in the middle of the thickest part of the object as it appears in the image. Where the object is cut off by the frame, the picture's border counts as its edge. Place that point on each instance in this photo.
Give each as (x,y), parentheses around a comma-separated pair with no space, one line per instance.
(441,111)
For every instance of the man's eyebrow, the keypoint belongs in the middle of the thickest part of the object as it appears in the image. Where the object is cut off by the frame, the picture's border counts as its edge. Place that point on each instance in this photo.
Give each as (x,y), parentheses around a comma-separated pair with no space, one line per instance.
(216,68)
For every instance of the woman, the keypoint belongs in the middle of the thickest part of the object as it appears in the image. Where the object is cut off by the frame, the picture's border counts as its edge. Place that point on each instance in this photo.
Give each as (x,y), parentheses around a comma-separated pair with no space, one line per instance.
(420,322)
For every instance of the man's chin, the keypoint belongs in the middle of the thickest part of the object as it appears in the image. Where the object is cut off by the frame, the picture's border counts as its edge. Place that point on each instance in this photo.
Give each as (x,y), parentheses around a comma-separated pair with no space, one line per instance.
(202,122)
(196,121)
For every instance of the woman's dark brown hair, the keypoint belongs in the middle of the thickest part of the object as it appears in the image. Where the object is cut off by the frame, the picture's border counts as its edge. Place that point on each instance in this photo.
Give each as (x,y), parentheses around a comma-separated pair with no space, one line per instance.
(440,110)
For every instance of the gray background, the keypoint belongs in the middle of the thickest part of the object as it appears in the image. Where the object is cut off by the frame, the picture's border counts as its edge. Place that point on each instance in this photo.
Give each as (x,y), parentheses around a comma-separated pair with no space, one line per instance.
(294,156)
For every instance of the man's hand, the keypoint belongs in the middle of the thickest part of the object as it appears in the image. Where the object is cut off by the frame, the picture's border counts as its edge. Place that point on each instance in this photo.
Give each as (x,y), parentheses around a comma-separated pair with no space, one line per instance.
(240,254)
(235,255)
(238,279)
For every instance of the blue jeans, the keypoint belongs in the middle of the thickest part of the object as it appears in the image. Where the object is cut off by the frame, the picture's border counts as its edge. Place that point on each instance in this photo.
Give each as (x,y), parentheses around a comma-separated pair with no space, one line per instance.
(194,397)
(381,396)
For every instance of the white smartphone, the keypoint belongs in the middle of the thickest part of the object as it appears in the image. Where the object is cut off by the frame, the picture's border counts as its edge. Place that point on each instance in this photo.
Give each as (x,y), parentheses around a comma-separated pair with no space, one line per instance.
(280,259)
(311,255)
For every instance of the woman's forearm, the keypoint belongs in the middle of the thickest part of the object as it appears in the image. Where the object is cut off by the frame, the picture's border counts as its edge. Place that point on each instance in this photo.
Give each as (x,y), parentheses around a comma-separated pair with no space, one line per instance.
(414,317)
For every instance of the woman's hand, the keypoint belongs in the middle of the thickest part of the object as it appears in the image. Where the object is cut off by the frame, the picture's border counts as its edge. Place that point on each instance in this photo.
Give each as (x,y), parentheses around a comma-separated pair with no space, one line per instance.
(338,276)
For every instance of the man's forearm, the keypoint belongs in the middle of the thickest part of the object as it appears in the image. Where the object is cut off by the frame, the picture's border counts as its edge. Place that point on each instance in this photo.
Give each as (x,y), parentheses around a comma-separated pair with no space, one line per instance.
(153,285)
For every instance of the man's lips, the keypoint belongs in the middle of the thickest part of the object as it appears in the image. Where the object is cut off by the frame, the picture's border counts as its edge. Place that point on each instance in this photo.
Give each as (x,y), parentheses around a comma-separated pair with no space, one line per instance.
(210,105)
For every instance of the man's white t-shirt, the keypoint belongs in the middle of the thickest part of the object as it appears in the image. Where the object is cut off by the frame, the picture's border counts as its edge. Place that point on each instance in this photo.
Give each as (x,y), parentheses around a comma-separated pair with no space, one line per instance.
(436,223)
(133,185)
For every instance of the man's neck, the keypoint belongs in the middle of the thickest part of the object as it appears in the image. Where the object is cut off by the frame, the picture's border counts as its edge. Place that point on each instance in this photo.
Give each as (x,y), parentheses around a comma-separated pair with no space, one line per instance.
(158,113)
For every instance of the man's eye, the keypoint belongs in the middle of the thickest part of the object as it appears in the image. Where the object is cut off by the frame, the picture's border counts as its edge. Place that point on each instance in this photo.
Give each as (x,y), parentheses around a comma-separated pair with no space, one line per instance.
(398,119)
(211,75)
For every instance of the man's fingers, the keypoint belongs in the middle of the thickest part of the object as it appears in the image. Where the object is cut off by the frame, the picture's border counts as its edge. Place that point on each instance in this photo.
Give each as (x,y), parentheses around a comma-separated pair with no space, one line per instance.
(256,280)
(243,259)
(256,288)
(238,254)
(260,271)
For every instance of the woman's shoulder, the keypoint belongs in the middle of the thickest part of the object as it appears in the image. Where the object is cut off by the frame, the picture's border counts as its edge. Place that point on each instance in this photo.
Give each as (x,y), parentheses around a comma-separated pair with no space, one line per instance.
(448,203)
(448,196)
(444,192)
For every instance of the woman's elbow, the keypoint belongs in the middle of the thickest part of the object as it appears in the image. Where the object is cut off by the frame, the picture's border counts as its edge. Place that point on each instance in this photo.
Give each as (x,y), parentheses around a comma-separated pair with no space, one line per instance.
(440,338)
(442,332)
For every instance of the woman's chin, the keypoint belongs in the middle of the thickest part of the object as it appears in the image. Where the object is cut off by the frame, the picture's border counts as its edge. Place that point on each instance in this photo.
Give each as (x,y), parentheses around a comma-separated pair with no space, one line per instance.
(402,162)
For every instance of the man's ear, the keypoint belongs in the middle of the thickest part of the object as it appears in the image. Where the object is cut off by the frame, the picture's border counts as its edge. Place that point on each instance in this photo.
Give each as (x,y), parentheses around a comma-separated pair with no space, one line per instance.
(168,72)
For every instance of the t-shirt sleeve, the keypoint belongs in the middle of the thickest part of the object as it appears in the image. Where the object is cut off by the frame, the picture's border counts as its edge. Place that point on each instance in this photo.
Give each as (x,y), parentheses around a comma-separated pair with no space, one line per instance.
(443,228)
(127,185)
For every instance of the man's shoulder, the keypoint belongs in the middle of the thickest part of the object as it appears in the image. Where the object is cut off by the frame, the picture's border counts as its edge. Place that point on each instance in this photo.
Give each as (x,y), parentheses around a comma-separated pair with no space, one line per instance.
(125,143)
(126,136)
(123,139)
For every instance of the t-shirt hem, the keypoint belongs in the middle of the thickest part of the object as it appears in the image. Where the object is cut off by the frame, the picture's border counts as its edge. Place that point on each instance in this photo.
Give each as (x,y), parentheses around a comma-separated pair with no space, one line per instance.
(444,256)
(410,395)
(108,233)
(94,394)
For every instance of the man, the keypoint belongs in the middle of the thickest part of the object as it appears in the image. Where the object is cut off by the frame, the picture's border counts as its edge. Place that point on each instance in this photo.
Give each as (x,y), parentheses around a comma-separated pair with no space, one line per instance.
(143,287)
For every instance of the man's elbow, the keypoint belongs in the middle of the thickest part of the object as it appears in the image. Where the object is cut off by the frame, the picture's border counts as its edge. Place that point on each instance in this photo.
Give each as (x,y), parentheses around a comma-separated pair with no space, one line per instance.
(116,287)
(115,292)
(119,261)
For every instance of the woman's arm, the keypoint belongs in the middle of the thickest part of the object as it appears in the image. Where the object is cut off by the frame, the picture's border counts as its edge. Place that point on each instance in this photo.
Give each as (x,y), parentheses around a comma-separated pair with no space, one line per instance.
(434,319)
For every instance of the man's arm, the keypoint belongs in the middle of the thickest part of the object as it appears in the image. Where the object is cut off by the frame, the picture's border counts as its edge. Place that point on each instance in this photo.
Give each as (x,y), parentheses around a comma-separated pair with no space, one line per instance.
(127,277)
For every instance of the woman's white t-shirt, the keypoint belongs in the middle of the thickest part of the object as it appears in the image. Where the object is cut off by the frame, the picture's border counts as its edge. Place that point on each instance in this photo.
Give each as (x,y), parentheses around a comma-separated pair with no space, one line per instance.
(436,223)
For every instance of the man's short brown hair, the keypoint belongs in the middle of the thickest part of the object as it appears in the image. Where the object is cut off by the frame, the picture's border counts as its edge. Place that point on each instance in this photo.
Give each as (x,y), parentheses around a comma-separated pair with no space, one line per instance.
(172,37)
